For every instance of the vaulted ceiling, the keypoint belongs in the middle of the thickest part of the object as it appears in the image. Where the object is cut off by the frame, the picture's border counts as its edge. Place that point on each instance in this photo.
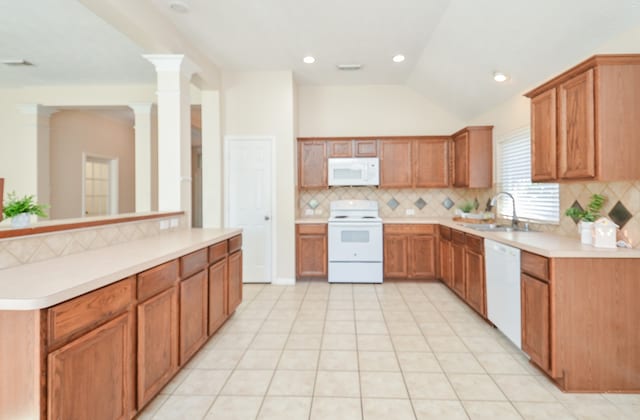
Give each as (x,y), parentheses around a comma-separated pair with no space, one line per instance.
(452,47)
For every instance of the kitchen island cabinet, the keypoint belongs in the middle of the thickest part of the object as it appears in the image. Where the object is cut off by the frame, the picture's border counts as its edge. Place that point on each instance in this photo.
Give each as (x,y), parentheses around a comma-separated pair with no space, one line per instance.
(578,130)
(118,345)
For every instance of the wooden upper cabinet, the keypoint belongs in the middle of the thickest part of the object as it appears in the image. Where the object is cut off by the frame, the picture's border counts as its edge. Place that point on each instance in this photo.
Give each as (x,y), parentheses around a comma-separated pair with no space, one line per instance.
(431,163)
(395,163)
(312,164)
(590,119)
(543,136)
(473,157)
(576,127)
(365,148)
(340,148)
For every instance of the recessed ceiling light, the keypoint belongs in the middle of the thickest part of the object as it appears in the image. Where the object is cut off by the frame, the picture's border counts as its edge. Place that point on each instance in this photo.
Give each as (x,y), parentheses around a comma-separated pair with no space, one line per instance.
(398,58)
(179,6)
(500,77)
(309,60)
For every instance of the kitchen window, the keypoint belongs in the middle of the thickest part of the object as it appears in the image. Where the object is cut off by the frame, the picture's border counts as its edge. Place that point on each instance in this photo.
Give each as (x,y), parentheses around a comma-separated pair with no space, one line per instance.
(536,202)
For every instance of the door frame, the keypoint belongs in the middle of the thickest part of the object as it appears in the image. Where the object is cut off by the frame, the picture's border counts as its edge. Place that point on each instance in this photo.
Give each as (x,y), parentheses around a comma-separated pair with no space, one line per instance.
(114,192)
(225,180)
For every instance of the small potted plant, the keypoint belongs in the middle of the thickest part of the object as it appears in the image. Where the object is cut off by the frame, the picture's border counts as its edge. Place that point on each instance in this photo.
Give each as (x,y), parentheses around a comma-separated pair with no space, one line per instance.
(586,217)
(21,209)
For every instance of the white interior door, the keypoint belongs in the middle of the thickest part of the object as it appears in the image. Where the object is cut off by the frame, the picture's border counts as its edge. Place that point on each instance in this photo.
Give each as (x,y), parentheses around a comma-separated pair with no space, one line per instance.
(248,192)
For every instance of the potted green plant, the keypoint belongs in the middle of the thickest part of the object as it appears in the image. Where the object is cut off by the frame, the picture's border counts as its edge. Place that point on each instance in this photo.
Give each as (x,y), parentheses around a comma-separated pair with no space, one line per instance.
(466,207)
(21,209)
(586,217)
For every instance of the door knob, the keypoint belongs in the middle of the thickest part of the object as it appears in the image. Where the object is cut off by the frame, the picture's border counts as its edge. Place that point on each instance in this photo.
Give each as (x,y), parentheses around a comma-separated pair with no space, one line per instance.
(267,218)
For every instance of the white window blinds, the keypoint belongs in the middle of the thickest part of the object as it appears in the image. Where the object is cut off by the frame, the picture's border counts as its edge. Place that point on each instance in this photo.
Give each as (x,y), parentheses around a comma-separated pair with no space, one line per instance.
(537,202)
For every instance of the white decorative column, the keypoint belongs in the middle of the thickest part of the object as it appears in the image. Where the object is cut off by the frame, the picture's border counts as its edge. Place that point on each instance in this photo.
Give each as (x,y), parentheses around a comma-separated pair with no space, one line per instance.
(35,165)
(211,160)
(174,132)
(142,128)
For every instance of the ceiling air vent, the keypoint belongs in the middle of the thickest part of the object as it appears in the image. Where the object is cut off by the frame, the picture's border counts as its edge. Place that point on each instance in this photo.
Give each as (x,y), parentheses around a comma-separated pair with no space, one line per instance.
(349,67)
(16,63)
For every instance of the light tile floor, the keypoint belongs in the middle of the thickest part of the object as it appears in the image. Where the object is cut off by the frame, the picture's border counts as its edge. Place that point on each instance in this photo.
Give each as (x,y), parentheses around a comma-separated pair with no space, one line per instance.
(396,351)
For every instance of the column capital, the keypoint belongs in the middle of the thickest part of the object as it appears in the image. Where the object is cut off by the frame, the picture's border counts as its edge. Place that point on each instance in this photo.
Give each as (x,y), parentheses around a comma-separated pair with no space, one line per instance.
(172,63)
(142,108)
(36,110)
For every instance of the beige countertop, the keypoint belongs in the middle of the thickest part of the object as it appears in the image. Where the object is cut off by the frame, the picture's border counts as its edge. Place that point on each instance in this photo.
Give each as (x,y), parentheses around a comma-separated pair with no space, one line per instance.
(43,284)
(541,243)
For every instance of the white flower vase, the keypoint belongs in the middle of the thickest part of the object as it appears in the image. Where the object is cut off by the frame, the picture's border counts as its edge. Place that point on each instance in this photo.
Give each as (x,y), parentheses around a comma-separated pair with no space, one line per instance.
(21,220)
(586,232)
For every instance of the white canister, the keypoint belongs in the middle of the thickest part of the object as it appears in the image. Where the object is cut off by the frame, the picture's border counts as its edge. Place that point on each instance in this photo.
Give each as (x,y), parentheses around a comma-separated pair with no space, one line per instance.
(586,232)
(604,233)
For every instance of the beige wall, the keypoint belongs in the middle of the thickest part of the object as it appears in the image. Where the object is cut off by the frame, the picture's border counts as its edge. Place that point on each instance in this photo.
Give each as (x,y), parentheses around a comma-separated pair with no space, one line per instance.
(74,133)
(375,110)
(261,104)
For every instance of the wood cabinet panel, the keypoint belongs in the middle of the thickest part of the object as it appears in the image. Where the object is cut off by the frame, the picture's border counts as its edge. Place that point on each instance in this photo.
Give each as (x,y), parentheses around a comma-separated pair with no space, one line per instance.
(534,265)
(157,279)
(312,164)
(457,237)
(194,301)
(78,315)
(218,251)
(444,232)
(461,158)
(92,377)
(413,229)
(576,130)
(458,276)
(422,251)
(535,320)
(235,243)
(431,163)
(473,157)
(474,243)
(365,148)
(340,148)
(543,136)
(157,343)
(395,164)
(445,262)
(475,281)
(218,285)
(194,262)
(311,250)
(396,249)
(234,295)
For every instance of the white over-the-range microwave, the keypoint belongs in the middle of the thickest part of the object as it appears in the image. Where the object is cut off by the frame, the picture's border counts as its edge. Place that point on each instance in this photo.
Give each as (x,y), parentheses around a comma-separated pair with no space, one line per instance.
(354,171)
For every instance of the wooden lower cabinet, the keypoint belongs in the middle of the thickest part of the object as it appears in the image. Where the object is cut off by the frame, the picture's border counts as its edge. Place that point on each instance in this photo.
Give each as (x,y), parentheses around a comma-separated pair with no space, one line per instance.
(409,251)
(194,302)
(92,377)
(457,274)
(445,262)
(157,343)
(475,281)
(218,284)
(535,320)
(311,250)
(235,282)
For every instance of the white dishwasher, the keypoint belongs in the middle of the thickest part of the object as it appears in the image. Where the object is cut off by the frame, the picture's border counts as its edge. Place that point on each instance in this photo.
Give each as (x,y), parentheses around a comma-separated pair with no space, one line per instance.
(502,266)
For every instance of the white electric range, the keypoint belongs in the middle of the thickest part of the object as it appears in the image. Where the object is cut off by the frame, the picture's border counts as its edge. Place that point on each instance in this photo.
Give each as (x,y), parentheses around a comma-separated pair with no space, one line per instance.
(355,242)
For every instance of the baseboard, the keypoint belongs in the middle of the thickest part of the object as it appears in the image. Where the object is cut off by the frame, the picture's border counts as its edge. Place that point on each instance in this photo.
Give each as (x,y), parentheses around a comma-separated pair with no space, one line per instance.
(283,281)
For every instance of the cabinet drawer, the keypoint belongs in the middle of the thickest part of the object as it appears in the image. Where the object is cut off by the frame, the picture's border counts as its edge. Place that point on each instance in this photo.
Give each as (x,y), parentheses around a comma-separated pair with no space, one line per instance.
(535,265)
(409,229)
(194,262)
(445,233)
(87,311)
(474,243)
(457,236)
(157,279)
(312,229)
(218,251)
(235,243)
(366,148)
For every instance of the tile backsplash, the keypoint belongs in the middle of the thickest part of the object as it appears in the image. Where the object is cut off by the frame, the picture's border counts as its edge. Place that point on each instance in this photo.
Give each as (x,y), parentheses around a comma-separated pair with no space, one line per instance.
(33,248)
(434,203)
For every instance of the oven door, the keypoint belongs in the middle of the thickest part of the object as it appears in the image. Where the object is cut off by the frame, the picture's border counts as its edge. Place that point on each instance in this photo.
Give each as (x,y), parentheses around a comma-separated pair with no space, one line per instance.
(355,241)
